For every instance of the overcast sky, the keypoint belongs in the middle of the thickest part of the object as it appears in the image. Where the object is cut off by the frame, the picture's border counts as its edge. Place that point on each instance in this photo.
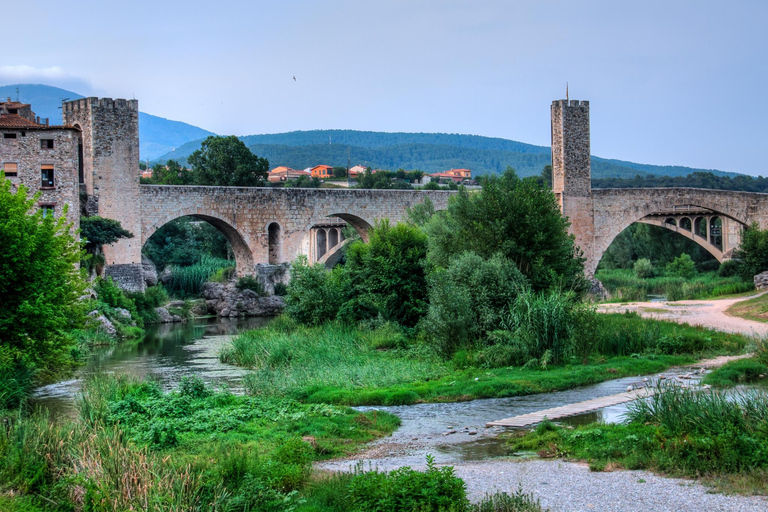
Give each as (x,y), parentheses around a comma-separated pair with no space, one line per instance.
(669,82)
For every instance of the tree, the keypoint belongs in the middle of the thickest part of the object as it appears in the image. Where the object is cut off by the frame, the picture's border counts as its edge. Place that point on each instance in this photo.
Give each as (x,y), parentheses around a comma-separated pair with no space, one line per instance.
(339,172)
(753,252)
(39,282)
(520,219)
(387,275)
(99,231)
(227,162)
(171,174)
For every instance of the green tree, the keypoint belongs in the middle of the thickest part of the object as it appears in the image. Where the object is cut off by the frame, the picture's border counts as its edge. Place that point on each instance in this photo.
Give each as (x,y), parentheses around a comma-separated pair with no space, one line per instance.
(520,219)
(227,162)
(682,266)
(387,275)
(99,231)
(171,174)
(339,172)
(315,295)
(39,282)
(753,252)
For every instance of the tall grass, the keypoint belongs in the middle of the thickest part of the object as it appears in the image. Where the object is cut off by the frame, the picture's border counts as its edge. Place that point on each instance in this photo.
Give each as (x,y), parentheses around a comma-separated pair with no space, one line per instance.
(626,286)
(333,355)
(188,281)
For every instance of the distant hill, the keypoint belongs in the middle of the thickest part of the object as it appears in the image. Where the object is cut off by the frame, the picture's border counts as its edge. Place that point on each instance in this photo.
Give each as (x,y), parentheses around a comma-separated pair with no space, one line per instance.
(429,152)
(157,136)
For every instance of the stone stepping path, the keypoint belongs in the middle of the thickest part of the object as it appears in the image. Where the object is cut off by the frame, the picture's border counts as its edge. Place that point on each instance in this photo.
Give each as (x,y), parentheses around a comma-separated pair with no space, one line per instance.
(525,420)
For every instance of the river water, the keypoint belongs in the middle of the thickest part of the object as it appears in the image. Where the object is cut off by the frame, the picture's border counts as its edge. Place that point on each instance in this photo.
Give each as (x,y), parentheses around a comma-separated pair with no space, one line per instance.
(167,353)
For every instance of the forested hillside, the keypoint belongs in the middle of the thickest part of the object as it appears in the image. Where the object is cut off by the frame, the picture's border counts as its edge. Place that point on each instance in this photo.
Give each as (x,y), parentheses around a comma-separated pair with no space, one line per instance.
(429,152)
(695,180)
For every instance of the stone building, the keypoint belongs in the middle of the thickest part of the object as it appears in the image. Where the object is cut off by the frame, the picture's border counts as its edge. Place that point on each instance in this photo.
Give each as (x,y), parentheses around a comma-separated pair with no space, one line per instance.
(44,158)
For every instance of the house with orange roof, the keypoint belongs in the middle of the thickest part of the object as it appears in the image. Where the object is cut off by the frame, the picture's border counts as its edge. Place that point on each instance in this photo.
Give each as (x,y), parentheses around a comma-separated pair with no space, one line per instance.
(457,175)
(322,171)
(357,170)
(283,173)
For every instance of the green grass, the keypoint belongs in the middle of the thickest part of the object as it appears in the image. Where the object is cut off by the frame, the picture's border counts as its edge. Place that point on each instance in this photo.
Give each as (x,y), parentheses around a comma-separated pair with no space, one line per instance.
(188,281)
(742,371)
(753,309)
(624,285)
(340,364)
(720,438)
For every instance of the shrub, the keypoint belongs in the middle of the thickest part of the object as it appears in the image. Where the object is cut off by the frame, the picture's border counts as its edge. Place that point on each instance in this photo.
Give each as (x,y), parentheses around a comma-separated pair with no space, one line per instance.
(250,283)
(682,266)
(468,299)
(281,289)
(315,295)
(188,281)
(728,268)
(643,268)
(222,275)
(406,490)
(147,301)
(753,252)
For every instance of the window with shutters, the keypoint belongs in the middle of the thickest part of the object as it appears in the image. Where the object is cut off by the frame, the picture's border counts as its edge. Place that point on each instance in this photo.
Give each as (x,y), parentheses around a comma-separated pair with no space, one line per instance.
(46,172)
(11,170)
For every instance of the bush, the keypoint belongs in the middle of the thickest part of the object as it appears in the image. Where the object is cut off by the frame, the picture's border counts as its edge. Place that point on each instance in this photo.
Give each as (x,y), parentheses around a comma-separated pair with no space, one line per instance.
(753,252)
(728,268)
(146,302)
(468,300)
(250,283)
(188,281)
(682,266)
(643,268)
(315,295)
(406,490)
(281,289)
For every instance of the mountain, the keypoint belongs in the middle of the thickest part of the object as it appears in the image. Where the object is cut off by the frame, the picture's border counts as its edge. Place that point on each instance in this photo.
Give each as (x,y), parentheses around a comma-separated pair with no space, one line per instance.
(157,135)
(429,152)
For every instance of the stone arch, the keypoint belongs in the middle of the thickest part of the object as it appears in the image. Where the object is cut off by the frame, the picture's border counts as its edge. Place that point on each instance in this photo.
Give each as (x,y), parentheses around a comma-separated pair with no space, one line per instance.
(243,255)
(333,237)
(361,225)
(321,243)
(685,223)
(275,243)
(622,220)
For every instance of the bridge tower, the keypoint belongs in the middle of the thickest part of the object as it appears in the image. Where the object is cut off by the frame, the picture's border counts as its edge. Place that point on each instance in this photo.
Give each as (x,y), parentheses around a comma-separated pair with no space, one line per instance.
(572,172)
(110,176)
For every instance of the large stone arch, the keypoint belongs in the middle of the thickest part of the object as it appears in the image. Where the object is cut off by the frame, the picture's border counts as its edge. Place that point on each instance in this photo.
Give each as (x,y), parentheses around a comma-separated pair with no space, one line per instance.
(615,220)
(243,256)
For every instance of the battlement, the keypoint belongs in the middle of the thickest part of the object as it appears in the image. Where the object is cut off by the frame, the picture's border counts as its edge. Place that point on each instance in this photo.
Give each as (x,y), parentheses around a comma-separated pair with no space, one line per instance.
(573,103)
(104,103)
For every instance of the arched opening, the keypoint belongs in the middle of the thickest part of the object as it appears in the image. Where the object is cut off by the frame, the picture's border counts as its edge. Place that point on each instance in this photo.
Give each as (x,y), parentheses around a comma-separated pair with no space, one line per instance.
(321,243)
(685,223)
(716,232)
(189,250)
(275,243)
(671,221)
(361,225)
(333,237)
(700,227)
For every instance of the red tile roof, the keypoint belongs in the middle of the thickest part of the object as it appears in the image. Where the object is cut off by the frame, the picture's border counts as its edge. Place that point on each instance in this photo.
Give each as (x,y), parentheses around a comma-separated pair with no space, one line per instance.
(16,121)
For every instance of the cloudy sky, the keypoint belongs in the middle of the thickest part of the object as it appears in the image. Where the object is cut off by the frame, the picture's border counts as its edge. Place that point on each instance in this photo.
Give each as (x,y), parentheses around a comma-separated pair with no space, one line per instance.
(676,82)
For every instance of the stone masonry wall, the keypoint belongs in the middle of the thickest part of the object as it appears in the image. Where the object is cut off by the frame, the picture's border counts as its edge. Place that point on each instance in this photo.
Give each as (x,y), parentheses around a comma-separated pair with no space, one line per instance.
(244,214)
(25,151)
(111,161)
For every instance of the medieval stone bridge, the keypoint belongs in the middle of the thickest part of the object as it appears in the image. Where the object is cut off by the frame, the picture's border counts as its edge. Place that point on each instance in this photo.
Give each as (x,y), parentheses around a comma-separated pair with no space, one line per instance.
(272,225)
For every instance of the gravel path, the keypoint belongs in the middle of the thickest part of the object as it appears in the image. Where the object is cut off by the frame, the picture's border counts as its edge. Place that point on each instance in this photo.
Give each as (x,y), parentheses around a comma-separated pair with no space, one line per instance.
(570,487)
(707,313)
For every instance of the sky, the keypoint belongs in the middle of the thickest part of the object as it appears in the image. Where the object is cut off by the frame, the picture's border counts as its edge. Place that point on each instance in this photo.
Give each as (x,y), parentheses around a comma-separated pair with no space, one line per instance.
(673,82)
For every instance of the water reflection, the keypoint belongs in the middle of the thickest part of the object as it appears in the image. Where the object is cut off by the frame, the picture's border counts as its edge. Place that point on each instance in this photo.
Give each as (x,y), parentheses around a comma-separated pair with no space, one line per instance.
(167,353)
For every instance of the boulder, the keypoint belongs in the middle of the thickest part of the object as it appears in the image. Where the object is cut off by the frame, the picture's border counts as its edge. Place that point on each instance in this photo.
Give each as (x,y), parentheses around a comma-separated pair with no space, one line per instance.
(123,313)
(761,281)
(149,270)
(104,323)
(165,276)
(226,300)
(163,316)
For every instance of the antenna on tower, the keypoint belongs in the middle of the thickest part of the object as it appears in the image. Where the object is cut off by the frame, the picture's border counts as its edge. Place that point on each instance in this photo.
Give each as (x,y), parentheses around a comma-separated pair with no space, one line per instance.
(566,91)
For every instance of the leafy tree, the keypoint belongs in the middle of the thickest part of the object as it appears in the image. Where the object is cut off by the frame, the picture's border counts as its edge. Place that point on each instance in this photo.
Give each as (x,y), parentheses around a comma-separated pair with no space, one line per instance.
(315,295)
(420,213)
(183,242)
(339,172)
(643,268)
(171,174)
(227,162)
(39,282)
(517,218)
(387,275)
(682,266)
(753,252)
(99,231)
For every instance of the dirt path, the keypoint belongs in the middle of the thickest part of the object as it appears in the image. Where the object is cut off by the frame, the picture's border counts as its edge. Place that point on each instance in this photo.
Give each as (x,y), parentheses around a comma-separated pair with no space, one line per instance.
(707,313)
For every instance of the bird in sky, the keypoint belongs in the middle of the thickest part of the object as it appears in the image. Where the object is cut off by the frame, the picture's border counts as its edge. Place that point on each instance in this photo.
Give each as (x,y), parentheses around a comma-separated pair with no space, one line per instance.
(294,78)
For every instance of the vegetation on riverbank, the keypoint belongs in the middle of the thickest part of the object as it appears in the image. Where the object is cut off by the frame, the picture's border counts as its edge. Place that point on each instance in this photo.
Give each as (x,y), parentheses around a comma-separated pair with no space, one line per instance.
(752,370)
(134,447)
(720,438)
(343,364)
(755,309)
(625,285)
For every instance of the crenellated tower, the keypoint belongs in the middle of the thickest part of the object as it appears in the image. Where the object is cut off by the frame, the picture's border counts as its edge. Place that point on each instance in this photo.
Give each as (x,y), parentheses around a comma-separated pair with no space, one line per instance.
(572,171)
(110,175)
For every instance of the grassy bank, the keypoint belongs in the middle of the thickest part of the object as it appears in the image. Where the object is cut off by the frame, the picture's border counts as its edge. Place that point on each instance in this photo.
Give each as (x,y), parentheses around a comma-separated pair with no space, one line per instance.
(134,447)
(624,285)
(340,364)
(721,439)
(753,309)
